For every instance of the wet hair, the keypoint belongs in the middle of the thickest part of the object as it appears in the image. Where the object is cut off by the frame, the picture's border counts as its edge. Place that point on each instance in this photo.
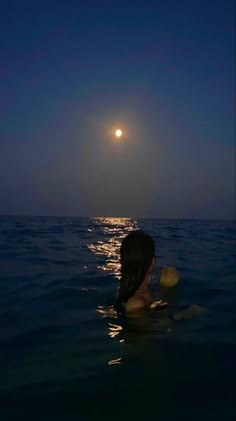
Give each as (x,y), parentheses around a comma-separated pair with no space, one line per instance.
(137,252)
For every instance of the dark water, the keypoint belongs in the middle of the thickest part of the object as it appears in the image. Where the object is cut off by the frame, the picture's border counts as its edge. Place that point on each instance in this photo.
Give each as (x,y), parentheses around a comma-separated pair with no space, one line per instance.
(61,359)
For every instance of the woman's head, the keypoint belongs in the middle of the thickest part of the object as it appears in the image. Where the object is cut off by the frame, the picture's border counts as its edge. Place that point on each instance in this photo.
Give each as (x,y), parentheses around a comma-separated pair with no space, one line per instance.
(137,255)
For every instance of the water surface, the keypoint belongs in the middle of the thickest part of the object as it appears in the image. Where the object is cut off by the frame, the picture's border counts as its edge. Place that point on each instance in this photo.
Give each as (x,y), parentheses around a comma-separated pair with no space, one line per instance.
(61,359)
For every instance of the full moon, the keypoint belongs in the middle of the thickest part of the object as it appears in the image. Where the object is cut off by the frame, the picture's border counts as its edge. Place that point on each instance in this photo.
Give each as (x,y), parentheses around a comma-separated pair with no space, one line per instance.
(118,133)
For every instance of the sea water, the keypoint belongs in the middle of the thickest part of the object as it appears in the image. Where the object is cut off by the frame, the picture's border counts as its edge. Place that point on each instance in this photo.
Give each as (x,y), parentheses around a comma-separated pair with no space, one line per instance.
(63,356)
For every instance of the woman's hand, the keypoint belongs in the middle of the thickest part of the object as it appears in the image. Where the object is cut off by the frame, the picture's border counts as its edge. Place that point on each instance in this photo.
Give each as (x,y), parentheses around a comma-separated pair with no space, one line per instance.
(158,304)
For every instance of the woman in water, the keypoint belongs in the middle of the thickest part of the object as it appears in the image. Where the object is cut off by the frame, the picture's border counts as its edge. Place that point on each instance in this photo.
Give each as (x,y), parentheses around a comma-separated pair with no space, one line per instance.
(137,255)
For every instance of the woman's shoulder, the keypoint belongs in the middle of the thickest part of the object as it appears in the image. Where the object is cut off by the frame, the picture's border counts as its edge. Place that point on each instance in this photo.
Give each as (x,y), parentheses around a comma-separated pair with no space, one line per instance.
(136,303)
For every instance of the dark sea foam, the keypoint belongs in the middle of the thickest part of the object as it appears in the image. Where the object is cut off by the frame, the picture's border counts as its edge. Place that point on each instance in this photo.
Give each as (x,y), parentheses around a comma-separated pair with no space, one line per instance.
(63,358)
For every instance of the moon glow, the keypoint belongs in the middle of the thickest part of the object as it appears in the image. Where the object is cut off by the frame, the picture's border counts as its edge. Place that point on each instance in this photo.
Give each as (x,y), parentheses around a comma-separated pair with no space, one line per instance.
(118,133)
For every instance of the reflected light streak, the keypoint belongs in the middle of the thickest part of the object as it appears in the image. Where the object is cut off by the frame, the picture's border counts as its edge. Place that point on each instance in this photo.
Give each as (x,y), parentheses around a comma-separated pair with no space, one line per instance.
(119,228)
(107,311)
(117,361)
(114,330)
(115,222)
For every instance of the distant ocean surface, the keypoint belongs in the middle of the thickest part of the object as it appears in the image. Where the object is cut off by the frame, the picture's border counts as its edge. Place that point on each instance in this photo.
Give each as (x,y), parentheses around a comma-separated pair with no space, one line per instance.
(62,357)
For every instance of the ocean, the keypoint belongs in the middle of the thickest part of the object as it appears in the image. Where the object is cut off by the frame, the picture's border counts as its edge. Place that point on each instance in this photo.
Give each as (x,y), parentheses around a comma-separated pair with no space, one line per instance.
(63,356)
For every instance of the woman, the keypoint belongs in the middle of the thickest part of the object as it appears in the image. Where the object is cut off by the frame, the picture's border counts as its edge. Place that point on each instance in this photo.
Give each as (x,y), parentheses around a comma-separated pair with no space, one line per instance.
(137,263)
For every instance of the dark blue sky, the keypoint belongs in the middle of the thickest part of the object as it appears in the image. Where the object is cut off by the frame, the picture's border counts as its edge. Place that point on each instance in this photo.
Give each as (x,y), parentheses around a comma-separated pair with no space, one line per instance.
(72,71)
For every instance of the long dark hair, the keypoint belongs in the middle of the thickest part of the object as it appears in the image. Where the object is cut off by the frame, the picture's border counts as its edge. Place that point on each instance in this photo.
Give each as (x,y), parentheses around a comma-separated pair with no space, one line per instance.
(137,252)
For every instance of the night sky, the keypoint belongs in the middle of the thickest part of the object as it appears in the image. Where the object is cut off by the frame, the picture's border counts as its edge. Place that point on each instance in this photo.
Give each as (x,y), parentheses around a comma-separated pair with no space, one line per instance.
(71,72)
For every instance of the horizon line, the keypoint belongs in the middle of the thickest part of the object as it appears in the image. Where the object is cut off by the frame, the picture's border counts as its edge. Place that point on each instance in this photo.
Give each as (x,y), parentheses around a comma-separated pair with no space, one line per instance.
(118,217)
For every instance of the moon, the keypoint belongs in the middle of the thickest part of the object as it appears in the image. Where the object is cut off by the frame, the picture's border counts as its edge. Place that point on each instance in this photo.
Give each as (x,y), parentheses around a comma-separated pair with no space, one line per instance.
(118,133)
